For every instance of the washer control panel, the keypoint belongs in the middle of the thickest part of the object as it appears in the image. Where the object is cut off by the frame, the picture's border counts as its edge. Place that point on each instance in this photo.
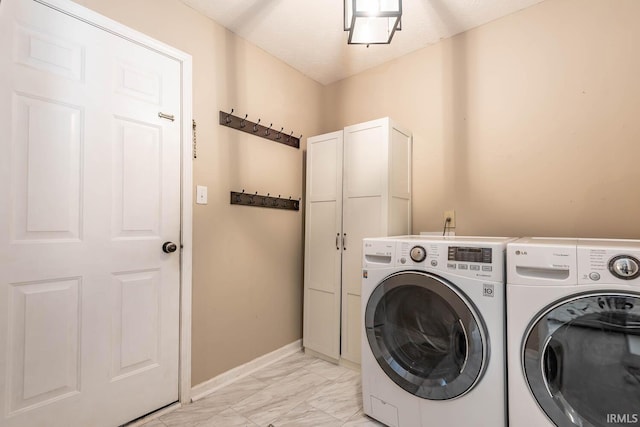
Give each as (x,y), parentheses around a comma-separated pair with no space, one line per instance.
(480,258)
(470,254)
(461,259)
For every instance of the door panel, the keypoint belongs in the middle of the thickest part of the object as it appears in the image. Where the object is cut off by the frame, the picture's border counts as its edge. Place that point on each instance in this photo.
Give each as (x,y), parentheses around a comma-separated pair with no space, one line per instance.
(49,53)
(44,320)
(137,162)
(46,159)
(135,322)
(92,176)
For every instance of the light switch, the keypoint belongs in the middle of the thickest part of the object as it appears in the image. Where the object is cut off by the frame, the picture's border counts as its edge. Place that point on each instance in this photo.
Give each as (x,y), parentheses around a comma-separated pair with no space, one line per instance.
(201,195)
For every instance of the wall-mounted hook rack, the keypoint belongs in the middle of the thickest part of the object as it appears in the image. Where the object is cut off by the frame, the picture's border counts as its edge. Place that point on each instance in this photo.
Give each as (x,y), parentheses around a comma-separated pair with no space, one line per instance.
(242,124)
(268,201)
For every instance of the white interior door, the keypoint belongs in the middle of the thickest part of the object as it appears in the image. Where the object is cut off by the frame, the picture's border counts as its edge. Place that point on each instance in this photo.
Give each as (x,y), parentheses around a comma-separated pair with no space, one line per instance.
(90,190)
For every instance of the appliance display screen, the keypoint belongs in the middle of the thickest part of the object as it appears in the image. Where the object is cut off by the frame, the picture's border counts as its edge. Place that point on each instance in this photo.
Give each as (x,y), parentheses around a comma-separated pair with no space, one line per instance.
(466,254)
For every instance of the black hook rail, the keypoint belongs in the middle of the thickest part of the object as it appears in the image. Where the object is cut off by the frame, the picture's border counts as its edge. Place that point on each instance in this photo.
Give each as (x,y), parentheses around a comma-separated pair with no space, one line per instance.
(255,128)
(263,201)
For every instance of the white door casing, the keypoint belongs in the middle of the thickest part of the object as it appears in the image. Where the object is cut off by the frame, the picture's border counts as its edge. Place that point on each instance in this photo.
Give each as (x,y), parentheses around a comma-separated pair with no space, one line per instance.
(91,179)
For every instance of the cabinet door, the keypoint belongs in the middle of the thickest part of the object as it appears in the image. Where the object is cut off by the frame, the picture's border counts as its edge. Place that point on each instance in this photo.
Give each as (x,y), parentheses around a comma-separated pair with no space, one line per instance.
(364,215)
(323,243)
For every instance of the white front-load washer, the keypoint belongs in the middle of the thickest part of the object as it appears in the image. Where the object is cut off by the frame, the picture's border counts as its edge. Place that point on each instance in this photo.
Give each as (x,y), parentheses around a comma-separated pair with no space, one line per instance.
(573,332)
(433,336)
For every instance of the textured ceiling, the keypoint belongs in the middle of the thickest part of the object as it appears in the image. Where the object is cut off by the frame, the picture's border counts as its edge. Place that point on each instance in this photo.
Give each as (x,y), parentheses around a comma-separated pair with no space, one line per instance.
(309,36)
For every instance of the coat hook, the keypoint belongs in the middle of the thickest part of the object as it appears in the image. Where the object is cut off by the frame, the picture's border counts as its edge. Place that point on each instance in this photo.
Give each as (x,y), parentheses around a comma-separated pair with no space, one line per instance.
(242,123)
(279,135)
(243,190)
(255,127)
(266,132)
(300,137)
(228,118)
(290,135)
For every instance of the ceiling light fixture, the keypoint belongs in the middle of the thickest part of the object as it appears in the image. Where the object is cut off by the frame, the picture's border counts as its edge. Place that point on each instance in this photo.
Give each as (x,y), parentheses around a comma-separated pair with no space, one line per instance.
(372,21)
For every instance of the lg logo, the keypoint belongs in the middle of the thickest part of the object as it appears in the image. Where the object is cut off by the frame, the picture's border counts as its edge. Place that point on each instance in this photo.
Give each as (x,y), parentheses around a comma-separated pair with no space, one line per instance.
(519,252)
(622,418)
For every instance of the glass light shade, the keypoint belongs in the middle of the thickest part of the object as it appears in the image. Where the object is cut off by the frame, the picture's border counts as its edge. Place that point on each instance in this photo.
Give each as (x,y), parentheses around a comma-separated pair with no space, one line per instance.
(372,21)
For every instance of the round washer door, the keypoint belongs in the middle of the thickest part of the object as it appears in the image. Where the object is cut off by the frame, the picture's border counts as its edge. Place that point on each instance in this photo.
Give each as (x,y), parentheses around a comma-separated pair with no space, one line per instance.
(426,336)
(581,359)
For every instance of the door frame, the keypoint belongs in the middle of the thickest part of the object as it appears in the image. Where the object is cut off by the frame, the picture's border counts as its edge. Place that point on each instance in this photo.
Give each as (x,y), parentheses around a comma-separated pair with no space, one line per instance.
(186,213)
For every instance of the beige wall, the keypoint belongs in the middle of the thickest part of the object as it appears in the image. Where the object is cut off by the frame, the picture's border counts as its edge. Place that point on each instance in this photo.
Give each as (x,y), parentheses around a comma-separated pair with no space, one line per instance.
(525,126)
(529,125)
(247,277)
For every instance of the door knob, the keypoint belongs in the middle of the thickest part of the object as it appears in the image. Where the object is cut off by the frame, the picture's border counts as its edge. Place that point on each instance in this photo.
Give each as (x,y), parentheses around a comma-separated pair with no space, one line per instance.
(168,247)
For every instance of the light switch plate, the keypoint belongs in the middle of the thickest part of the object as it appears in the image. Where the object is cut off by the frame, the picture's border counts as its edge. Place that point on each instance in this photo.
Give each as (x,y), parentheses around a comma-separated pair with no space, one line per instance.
(201,195)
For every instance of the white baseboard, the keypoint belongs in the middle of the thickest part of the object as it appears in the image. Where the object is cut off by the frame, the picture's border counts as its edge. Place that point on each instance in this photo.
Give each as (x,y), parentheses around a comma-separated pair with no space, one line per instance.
(206,388)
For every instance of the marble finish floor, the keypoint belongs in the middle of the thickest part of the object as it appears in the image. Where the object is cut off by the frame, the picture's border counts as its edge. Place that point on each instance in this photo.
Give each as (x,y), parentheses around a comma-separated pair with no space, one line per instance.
(296,391)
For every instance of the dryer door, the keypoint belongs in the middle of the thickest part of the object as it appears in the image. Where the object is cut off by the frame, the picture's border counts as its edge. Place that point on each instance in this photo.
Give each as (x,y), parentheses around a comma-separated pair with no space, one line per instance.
(426,335)
(581,360)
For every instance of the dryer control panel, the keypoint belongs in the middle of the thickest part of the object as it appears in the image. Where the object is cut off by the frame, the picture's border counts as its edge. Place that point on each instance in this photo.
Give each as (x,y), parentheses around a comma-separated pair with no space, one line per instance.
(609,262)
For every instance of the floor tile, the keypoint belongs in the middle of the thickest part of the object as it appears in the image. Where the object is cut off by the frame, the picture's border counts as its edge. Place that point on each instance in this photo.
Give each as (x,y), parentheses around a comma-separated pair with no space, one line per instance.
(361,420)
(233,393)
(280,397)
(191,415)
(339,399)
(154,423)
(228,418)
(328,370)
(296,391)
(305,415)
(283,367)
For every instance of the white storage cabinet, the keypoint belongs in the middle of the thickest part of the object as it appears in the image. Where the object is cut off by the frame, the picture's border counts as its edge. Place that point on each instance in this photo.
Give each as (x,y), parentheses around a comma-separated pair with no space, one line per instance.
(358,185)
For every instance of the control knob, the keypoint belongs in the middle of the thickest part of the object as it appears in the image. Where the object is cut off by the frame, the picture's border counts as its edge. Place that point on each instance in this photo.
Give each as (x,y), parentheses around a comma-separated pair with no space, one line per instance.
(418,254)
(624,267)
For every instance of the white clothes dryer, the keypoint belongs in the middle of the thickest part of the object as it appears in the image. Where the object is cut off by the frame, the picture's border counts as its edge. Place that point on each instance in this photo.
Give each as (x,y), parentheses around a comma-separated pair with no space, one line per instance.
(433,337)
(573,332)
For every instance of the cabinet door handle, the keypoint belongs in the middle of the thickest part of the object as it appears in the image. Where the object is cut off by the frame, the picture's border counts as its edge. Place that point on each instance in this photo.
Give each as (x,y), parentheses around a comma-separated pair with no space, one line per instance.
(344,242)
(337,241)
